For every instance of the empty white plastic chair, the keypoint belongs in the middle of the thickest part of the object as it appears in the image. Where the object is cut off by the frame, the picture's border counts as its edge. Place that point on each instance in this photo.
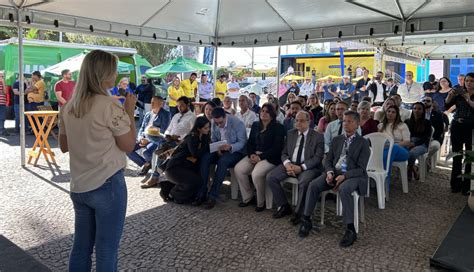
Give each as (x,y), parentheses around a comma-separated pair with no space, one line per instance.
(375,167)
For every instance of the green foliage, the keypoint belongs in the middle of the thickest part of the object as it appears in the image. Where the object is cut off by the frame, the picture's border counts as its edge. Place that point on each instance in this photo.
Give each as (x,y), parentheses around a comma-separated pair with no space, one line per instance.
(153,52)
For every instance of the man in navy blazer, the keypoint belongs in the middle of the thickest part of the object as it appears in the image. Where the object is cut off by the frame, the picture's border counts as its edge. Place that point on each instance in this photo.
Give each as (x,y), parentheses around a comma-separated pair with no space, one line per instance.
(225,127)
(345,172)
(157,118)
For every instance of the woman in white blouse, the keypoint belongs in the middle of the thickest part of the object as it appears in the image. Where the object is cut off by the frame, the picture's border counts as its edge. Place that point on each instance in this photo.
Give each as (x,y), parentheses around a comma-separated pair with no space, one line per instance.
(393,126)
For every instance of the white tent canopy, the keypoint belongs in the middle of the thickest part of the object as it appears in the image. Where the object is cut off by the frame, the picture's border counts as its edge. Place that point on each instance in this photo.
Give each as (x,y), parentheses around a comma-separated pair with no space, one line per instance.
(244,23)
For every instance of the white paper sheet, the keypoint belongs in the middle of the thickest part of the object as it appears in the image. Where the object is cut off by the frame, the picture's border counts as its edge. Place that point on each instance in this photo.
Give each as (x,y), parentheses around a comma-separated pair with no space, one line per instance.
(214,146)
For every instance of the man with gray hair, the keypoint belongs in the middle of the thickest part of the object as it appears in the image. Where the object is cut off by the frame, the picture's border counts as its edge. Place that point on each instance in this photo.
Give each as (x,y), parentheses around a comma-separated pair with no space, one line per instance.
(345,172)
(302,159)
(245,114)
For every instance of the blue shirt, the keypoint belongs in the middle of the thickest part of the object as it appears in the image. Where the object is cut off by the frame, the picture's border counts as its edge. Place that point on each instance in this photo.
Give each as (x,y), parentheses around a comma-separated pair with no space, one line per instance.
(115,91)
(327,94)
(205,91)
(348,89)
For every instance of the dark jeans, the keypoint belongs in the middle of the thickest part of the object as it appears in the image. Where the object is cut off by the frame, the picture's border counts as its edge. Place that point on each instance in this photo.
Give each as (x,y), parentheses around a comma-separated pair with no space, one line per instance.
(223,162)
(99,220)
(16,109)
(147,154)
(3,112)
(461,138)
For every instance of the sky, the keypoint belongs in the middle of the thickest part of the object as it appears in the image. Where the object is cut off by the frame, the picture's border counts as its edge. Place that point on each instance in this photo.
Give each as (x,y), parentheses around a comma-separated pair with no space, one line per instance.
(243,56)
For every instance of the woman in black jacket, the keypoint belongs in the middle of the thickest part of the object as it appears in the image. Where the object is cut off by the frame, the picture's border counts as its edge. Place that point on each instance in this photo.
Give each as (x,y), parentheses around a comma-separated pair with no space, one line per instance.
(420,135)
(461,131)
(182,170)
(263,154)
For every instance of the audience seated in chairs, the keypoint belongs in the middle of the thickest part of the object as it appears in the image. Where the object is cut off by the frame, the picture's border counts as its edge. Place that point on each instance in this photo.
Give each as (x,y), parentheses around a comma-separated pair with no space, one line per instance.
(367,123)
(344,172)
(263,154)
(227,105)
(181,124)
(247,116)
(420,135)
(335,128)
(289,122)
(302,158)
(437,122)
(182,170)
(380,113)
(329,116)
(393,126)
(207,110)
(404,113)
(148,137)
(225,127)
(315,109)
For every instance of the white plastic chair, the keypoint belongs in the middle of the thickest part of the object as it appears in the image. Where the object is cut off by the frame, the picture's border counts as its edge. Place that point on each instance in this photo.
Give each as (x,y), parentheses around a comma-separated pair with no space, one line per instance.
(294,192)
(422,160)
(358,203)
(234,185)
(375,167)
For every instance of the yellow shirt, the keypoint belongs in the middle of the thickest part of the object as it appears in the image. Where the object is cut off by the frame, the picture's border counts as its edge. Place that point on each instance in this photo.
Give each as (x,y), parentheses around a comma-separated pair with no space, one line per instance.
(172,92)
(221,87)
(37,97)
(189,87)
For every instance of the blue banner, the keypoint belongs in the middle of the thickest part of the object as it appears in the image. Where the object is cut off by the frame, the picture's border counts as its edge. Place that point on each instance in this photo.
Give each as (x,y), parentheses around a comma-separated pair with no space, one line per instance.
(341,55)
(208,55)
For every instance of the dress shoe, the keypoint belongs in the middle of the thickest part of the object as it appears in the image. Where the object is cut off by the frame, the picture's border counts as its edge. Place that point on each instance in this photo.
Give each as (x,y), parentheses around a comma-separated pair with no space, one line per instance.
(305,228)
(245,204)
(146,167)
(295,219)
(260,209)
(209,204)
(416,173)
(198,201)
(348,239)
(153,182)
(166,198)
(283,211)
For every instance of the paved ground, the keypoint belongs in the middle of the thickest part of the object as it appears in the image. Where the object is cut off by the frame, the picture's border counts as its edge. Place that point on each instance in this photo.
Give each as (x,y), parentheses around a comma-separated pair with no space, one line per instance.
(36,214)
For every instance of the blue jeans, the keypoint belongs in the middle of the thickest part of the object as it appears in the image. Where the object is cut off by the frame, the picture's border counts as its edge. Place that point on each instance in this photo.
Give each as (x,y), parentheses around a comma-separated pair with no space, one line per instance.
(3,112)
(415,152)
(223,162)
(399,154)
(147,154)
(99,220)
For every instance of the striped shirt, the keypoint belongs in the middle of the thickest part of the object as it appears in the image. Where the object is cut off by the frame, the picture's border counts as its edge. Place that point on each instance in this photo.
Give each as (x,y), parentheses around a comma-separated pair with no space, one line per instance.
(3,95)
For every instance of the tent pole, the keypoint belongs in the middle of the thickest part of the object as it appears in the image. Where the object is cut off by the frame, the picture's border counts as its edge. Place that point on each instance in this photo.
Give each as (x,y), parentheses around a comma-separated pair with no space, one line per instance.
(22,90)
(21,87)
(278,73)
(214,73)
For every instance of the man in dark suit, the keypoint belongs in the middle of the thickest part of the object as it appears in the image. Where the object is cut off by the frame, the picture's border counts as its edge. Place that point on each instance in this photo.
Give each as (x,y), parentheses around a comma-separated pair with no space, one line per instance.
(302,155)
(392,87)
(378,90)
(437,122)
(345,172)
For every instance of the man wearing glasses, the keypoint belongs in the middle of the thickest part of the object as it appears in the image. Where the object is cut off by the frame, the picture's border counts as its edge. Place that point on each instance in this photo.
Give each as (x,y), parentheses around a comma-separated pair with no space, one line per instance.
(226,128)
(410,91)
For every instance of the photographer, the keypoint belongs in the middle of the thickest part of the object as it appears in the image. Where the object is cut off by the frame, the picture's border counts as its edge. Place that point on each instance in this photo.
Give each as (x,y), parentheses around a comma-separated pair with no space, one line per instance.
(461,131)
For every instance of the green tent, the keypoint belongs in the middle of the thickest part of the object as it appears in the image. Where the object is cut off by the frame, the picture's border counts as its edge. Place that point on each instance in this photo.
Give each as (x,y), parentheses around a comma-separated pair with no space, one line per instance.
(178,65)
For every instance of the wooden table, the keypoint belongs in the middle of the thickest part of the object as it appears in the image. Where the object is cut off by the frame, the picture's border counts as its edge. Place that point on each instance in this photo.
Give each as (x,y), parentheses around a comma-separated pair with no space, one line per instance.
(41,123)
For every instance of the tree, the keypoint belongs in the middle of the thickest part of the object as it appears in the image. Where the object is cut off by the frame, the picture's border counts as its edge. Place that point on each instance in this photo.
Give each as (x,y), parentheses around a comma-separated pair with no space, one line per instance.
(155,53)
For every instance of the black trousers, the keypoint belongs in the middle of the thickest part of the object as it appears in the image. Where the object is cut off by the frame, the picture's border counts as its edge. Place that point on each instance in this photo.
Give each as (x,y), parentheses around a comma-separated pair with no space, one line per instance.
(461,139)
(183,182)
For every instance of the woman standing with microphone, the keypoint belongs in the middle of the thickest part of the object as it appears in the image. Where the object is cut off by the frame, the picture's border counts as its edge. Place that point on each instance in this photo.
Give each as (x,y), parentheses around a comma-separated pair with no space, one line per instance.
(97,131)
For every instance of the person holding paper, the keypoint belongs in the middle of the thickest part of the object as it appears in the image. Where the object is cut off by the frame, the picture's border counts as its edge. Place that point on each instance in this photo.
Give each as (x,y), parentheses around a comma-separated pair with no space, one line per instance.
(229,128)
